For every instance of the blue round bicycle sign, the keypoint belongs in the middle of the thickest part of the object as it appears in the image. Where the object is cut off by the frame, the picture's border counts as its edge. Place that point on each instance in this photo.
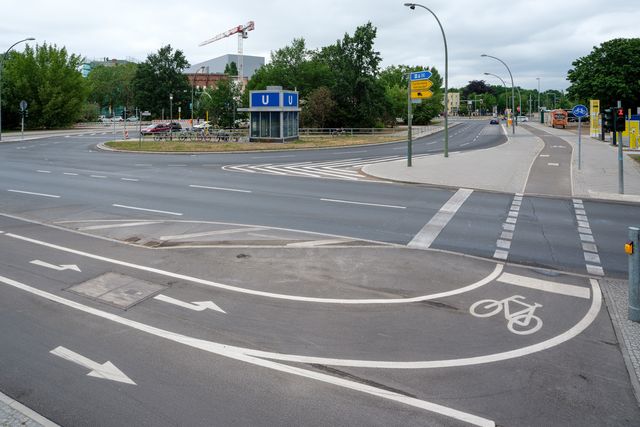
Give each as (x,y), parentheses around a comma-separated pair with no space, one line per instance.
(580,111)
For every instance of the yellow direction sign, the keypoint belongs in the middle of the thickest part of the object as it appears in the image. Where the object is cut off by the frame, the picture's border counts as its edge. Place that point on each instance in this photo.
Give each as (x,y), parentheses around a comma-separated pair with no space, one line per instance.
(421,85)
(421,94)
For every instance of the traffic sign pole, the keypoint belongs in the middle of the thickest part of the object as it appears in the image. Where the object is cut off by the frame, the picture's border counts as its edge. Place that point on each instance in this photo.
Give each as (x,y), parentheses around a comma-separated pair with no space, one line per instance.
(580,111)
(409,151)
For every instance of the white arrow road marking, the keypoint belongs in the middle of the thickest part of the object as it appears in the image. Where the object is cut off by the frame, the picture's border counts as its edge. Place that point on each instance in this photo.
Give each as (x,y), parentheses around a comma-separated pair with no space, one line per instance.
(107,370)
(61,267)
(195,305)
(242,354)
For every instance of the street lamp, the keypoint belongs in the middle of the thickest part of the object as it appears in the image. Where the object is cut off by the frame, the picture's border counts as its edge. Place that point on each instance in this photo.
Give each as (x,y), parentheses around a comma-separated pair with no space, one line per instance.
(506,96)
(170,114)
(193,83)
(513,91)
(1,68)
(538,79)
(412,6)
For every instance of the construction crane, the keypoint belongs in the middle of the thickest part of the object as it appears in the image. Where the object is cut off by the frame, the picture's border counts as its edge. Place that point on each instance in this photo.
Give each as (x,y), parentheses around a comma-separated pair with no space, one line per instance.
(241,31)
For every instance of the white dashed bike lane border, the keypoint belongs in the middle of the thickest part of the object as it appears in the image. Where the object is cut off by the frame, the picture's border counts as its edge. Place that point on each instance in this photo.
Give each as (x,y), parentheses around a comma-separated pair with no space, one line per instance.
(503,244)
(589,248)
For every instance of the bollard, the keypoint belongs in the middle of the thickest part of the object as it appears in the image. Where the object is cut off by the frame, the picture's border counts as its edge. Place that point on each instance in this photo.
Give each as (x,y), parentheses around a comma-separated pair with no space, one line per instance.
(632,248)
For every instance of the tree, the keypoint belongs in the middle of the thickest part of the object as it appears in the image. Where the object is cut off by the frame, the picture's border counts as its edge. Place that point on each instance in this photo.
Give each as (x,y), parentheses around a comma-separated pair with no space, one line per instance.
(318,107)
(477,87)
(221,103)
(231,69)
(360,97)
(112,86)
(611,72)
(47,77)
(158,77)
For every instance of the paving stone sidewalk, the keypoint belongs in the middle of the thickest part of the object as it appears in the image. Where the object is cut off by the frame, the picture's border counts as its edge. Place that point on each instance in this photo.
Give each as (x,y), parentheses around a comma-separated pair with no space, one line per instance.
(15,414)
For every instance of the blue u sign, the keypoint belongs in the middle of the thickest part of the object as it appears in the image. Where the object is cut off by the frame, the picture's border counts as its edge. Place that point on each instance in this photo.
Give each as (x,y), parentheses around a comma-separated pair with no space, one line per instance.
(265,99)
(290,99)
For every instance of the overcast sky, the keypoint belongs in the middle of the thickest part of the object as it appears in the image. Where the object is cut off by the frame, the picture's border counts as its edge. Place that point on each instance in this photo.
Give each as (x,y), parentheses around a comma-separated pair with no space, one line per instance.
(536,38)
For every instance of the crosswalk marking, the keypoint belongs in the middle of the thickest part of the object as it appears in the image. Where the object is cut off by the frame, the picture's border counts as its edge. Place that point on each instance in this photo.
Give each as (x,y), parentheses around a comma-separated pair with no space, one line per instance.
(545,285)
(345,169)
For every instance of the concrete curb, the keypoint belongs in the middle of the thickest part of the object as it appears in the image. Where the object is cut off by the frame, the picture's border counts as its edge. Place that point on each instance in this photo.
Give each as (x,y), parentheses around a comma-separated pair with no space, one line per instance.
(25,411)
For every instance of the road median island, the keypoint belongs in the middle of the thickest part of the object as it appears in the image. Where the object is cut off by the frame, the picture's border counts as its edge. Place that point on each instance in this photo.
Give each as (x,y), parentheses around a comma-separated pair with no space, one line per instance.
(221,146)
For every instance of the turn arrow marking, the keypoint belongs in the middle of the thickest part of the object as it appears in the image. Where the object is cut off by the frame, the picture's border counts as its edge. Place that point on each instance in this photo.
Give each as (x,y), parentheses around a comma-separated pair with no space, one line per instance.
(56,267)
(195,305)
(107,370)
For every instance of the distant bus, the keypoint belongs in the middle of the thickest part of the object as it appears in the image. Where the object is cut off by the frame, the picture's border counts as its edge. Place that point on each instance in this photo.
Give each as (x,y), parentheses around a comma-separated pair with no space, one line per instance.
(559,118)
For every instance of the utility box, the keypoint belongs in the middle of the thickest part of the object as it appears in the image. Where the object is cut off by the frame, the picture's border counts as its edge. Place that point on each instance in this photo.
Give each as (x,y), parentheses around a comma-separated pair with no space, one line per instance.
(274,115)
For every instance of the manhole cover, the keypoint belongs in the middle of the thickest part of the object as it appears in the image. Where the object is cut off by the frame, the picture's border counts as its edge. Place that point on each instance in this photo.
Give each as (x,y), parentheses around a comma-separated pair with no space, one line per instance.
(117,289)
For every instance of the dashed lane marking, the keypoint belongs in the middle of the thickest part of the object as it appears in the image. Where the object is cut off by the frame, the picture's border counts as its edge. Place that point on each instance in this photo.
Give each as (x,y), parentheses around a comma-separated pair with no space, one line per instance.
(53,196)
(363,203)
(589,248)
(145,209)
(503,243)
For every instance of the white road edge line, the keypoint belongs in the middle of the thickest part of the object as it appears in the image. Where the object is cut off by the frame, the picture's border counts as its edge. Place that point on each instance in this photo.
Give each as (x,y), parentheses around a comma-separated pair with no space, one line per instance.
(220,188)
(545,285)
(239,353)
(145,209)
(211,233)
(434,227)
(492,276)
(105,226)
(363,203)
(35,194)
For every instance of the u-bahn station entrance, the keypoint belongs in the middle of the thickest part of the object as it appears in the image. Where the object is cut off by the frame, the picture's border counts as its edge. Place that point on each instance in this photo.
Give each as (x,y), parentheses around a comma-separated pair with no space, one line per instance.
(274,115)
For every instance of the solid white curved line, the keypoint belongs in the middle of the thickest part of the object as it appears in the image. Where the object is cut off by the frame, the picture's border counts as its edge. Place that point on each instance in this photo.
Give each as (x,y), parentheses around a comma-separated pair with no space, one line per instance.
(496,272)
(448,363)
(237,354)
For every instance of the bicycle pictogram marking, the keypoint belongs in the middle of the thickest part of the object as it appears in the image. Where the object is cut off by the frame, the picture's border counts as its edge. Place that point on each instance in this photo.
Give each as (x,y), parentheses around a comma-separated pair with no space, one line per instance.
(521,322)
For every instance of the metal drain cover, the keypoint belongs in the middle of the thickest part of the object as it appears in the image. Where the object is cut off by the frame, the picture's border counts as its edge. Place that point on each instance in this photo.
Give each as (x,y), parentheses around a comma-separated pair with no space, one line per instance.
(117,289)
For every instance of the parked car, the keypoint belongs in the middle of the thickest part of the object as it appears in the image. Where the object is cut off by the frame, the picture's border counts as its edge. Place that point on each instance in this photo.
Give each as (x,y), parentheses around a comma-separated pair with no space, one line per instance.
(202,126)
(522,119)
(494,122)
(132,119)
(155,128)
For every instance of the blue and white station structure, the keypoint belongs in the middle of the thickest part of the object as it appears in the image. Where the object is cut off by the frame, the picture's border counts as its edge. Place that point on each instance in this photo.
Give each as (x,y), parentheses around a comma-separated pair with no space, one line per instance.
(274,115)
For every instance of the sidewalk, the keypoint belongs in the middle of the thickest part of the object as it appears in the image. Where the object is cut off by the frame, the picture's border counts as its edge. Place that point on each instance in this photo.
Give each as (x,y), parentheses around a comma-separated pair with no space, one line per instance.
(506,168)
(14,414)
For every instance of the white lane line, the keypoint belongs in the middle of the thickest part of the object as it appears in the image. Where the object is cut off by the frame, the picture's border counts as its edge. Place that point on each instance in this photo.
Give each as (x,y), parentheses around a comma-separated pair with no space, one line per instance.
(242,354)
(271,157)
(544,155)
(553,164)
(350,202)
(145,209)
(69,173)
(98,176)
(236,190)
(496,272)
(211,233)
(143,164)
(545,285)
(43,171)
(434,227)
(127,224)
(130,179)
(35,194)
(176,166)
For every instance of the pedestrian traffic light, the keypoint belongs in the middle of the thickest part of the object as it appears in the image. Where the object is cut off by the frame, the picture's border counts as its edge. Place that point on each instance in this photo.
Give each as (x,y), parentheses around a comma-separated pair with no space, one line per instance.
(621,120)
(607,120)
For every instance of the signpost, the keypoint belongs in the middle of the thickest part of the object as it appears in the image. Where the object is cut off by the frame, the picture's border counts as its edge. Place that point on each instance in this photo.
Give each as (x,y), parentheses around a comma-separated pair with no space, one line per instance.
(142,114)
(580,111)
(417,90)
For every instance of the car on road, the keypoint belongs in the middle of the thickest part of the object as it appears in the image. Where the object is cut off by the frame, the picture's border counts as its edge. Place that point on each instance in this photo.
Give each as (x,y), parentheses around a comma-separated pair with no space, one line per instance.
(494,122)
(155,128)
(522,119)
(202,126)
(132,119)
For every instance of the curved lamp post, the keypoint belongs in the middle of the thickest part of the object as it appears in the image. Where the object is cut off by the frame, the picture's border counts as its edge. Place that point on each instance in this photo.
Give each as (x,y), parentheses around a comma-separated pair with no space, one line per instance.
(506,96)
(513,91)
(412,6)
(192,88)
(1,68)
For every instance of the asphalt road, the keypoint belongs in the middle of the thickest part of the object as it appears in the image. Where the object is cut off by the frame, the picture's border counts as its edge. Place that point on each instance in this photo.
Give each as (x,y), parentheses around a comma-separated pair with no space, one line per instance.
(322,316)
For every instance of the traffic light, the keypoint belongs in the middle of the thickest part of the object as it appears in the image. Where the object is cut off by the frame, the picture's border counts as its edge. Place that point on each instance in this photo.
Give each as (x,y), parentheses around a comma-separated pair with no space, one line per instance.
(607,120)
(621,120)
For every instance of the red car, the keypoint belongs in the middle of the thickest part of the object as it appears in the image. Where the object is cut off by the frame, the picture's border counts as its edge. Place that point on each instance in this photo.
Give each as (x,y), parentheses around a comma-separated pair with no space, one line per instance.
(156,128)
